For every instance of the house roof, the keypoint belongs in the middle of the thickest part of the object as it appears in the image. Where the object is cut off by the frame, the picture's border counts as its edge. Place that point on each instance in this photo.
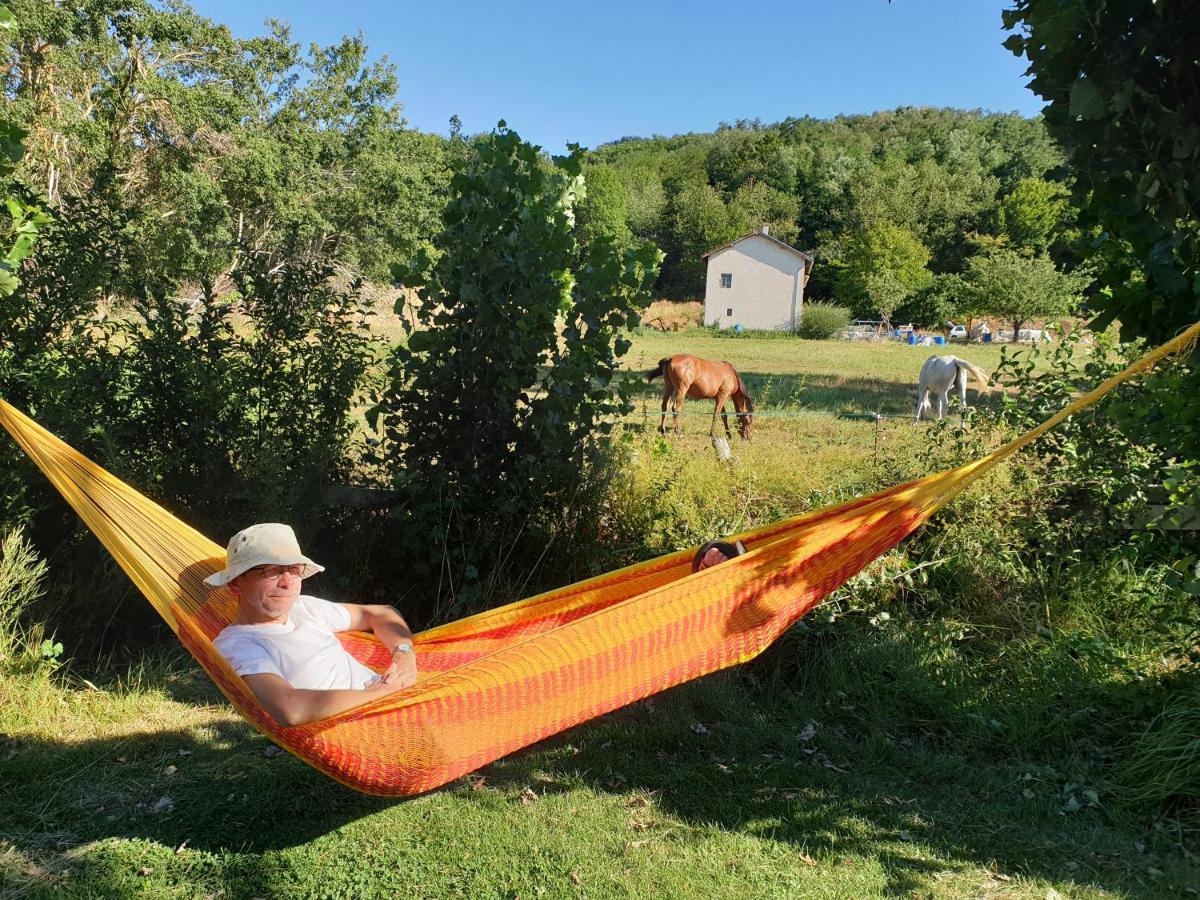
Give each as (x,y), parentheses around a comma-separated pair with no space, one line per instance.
(808,259)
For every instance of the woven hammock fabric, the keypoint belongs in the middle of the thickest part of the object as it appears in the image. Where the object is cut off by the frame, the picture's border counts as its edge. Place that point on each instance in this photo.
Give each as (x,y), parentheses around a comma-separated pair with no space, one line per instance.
(506,678)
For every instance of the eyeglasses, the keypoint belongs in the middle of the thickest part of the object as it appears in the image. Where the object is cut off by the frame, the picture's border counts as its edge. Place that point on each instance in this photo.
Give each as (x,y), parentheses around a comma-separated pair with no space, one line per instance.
(296,570)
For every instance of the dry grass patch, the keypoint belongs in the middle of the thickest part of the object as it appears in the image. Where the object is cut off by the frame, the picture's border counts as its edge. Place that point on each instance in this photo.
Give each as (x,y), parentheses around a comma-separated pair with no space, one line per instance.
(669,315)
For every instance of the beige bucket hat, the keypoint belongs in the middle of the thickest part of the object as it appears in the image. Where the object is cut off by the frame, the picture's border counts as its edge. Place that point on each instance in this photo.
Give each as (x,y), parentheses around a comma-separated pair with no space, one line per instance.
(267,543)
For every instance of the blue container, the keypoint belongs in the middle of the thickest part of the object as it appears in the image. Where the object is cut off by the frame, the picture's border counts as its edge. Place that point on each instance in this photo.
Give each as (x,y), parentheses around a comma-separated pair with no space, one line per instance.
(987,337)
(912,338)
(939,339)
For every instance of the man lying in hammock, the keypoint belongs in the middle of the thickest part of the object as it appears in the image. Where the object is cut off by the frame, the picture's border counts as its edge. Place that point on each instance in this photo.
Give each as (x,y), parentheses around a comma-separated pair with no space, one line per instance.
(283,642)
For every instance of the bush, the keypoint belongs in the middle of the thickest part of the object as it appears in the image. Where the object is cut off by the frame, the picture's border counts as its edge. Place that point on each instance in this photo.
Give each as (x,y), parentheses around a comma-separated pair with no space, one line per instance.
(22,572)
(822,321)
(509,385)
(241,410)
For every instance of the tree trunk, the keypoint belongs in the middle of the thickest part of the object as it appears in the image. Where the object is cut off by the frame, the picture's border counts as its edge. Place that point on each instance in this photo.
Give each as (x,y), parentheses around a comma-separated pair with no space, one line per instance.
(1017,323)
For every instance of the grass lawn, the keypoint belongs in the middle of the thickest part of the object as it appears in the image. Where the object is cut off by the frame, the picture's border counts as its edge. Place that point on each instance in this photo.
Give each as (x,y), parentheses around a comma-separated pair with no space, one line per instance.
(706,791)
(839,784)
(814,376)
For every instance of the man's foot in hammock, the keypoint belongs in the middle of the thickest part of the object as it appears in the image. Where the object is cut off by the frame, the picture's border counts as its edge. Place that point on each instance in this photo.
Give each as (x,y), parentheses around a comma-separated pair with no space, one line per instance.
(716,552)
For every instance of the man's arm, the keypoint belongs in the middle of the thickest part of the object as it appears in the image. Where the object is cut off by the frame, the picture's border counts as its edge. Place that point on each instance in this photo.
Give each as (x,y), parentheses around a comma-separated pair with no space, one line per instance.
(384,621)
(294,706)
(389,626)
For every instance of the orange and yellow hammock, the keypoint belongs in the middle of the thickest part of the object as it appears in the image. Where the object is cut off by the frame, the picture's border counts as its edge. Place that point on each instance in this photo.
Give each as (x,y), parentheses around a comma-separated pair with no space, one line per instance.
(504,679)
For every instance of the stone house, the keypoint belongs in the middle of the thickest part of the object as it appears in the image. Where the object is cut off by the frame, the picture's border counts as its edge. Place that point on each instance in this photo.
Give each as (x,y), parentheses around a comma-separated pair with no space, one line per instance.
(756,281)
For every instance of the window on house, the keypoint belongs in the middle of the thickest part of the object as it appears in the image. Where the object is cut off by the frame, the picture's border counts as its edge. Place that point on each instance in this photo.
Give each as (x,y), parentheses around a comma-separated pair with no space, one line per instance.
(727,279)
(729,311)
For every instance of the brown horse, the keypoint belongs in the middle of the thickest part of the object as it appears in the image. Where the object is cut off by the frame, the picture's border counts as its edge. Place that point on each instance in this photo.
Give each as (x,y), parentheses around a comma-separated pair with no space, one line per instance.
(702,379)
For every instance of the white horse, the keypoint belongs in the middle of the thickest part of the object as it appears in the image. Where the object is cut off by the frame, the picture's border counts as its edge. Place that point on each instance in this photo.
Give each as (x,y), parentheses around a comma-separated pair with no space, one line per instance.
(939,375)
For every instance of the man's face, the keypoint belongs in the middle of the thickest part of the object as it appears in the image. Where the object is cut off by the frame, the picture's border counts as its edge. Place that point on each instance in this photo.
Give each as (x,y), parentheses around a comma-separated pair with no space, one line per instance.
(268,592)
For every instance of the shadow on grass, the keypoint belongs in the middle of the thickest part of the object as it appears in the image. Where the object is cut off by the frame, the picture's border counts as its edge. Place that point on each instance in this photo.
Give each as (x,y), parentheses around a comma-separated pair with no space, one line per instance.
(807,773)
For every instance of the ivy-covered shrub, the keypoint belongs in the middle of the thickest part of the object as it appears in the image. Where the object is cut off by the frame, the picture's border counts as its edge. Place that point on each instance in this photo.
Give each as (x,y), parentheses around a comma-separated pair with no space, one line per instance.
(822,321)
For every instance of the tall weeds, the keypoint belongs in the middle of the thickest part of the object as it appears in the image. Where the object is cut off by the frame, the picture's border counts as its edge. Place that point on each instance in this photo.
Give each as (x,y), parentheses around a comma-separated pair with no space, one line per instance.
(22,575)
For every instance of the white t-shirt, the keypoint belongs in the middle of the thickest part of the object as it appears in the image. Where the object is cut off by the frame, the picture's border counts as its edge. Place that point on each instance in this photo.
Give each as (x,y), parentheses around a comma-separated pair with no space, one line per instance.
(303,650)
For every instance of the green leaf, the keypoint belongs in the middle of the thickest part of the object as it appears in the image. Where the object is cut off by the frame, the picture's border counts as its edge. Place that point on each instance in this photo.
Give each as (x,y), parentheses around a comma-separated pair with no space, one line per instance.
(12,138)
(1059,30)
(1087,100)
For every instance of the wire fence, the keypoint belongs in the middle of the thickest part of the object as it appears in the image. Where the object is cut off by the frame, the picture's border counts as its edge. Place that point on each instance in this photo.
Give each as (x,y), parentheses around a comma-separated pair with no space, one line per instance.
(768,413)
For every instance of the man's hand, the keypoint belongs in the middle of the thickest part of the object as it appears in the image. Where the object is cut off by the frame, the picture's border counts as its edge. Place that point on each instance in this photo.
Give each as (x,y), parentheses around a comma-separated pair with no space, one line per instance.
(402,672)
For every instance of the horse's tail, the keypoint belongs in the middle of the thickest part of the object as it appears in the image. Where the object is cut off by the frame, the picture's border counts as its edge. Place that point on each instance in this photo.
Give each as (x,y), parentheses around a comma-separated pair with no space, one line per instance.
(973,370)
(660,369)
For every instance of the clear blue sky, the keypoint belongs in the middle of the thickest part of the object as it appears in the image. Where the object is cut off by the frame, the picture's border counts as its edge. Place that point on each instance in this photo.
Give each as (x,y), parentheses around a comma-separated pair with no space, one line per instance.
(595,72)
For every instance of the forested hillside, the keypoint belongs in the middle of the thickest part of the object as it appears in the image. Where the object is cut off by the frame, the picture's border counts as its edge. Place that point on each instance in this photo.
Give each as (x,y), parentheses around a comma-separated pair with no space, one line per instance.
(201,146)
(932,185)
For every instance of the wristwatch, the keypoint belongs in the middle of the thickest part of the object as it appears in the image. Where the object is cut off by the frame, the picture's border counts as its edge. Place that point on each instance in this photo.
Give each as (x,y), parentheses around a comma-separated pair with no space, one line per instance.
(403,648)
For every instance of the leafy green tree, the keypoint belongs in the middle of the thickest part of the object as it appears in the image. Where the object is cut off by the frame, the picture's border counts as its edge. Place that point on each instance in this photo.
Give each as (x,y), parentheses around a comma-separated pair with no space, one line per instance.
(221,143)
(645,199)
(1119,79)
(942,300)
(737,156)
(1008,285)
(700,221)
(756,203)
(882,267)
(21,218)
(938,203)
(505,390)
(603,211)
(1032,214)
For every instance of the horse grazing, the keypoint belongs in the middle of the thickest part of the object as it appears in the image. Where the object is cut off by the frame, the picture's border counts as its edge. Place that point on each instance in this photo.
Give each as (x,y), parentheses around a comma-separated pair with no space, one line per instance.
(702,379)
(938,375)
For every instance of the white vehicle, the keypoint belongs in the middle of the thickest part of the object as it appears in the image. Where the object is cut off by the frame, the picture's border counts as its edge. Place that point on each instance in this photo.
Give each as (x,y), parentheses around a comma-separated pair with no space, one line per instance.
(957,331)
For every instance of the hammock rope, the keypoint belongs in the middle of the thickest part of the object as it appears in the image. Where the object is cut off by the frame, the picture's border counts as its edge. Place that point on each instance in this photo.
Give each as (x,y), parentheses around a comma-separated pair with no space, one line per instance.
(500,680)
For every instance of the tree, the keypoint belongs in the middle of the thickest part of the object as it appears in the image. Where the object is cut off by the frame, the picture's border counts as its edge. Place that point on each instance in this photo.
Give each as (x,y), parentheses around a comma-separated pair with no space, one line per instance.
(756,203)
(882,267)
(1032,214)
(508,385)
(701,221)
(645,199)
(603,211)
(1003,283)
(219,142)
(939,301)
(23,217)
(1119,79)
(936,202)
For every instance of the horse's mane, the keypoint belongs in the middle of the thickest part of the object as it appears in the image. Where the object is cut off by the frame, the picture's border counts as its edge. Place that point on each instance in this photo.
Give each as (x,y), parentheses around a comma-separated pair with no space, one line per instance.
(741,386)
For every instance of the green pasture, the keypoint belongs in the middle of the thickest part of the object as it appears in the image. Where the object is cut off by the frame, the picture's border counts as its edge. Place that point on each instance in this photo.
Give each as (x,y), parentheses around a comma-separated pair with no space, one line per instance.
(821,377)
(913,754)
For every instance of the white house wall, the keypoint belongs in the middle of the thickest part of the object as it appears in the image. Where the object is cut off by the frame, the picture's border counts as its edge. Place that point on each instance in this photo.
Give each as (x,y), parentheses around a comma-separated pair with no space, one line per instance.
(765,285)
